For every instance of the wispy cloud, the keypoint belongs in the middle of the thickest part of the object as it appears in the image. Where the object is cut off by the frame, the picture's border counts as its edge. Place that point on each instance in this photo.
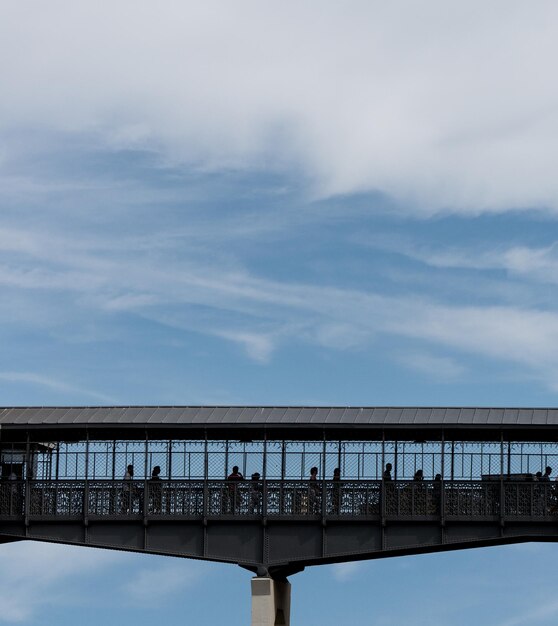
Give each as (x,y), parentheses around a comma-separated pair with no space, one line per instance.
(539,264)
(33,379)
(259,314)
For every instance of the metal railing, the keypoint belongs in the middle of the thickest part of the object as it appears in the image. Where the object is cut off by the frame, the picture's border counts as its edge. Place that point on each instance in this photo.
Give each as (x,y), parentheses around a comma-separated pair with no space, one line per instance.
(393,500)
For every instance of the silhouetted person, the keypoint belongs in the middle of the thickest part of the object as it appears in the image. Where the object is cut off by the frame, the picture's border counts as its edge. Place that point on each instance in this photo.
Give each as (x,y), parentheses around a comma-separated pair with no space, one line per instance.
(255,493)
(387,472)
(437,494)
(313,491)
(418,475)
(336,495)
(234,495)
(313,475)
(156,489)
(538,494)
(235,475)
(545,495)
(127,489)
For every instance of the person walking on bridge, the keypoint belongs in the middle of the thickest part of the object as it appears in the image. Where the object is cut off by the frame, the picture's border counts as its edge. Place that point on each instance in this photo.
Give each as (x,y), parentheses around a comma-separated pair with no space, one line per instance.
(155,490)
(234,494)
(127,489)
(314,490)
(387,472)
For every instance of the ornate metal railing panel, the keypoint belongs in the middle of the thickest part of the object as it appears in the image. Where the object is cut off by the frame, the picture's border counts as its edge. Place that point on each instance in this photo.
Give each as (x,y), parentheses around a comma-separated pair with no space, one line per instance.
(472,499)
(108,499)
(11,498)
(392,500)
(536,500)
(293,497)
(183,497)
(412,499)
(350,499)
(56,498)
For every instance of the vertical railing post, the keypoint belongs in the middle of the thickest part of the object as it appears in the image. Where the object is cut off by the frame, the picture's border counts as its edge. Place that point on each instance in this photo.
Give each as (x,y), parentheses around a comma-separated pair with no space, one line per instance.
(85,511)
(168,496)
(509,458)
(383,483)
(205,477)
(502,492)
(226,499)
(169,461)
(145,480)
(227,470)
(443,484)
(264,479)
(383,453)
(113,491)
(452,478)
(283,471)
(113,469)
(57,466)
(324,488)
(360,464)
(27,499)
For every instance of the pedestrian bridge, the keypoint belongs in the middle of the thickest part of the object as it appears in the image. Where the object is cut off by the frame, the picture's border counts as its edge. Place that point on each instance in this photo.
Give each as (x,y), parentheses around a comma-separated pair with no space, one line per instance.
(276,489)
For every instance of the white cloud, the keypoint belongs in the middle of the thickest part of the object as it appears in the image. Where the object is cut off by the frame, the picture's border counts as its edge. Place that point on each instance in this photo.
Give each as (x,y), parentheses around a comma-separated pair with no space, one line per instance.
(343,572)
(435,367)
(257,345)
(538,264)
(438,105)
(524,336)
(34,575)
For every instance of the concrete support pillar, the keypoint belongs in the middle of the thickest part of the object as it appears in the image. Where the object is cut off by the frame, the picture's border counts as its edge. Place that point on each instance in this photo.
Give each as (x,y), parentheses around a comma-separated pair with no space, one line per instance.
(271,602)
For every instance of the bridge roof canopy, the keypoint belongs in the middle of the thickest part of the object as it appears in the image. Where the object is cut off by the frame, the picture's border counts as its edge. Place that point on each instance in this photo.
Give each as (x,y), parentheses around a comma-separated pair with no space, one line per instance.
(289,421)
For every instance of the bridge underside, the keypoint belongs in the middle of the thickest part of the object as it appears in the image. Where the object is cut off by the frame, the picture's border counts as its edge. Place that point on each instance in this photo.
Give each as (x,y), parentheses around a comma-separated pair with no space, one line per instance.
(305,545)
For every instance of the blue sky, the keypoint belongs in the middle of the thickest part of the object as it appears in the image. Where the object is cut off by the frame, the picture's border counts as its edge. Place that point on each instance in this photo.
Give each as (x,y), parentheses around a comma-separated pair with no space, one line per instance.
(278,204)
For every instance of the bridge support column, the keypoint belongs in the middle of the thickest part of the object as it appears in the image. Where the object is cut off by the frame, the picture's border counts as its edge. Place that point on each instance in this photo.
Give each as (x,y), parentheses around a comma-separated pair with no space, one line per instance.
(271,602)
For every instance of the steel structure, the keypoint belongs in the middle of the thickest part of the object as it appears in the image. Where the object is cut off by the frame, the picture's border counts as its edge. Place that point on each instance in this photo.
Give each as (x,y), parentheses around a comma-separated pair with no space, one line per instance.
(312,485)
